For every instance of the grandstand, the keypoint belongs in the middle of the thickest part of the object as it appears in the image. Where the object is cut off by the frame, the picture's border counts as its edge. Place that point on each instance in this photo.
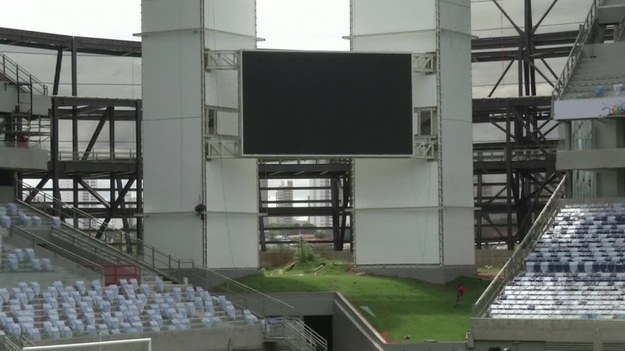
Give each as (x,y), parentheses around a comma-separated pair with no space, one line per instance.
(48,296)
(70,277)
(564,288)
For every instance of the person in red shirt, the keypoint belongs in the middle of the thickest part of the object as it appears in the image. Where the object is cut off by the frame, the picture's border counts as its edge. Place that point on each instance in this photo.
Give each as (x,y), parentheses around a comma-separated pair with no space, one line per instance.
(459,293)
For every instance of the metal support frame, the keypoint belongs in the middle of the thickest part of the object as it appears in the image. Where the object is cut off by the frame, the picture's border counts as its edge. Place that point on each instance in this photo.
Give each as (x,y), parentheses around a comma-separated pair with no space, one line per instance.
(337,206)
(530,181)
(222,60)
(521,170)
(90,162)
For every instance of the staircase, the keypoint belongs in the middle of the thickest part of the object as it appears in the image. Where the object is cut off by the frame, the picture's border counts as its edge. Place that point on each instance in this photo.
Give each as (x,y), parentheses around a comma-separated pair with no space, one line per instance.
(117,247)
(25,123)
(516,263)
(592,62)
(105,244)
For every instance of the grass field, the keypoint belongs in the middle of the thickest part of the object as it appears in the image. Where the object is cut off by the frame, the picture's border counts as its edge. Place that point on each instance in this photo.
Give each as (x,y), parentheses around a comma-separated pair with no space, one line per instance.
(402,307)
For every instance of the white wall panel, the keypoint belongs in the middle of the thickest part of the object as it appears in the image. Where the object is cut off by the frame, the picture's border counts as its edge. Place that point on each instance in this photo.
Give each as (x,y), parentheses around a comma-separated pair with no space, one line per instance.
(234,16)
(163,15)
(222,88)
(375,16)
(456,15)
(231,185)
(457,164)
(456,76)
(232,240)
(177,234)
(400,197)
(405,42)
(423,90)
(226,41)
(394,183)
(172,165)
(172,106)
(459,236)
(171,83)
(405,236)
(457,140)
(395,211)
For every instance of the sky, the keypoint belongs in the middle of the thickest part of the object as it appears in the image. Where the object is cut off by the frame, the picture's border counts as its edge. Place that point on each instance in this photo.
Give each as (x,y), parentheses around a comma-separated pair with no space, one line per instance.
(305,24)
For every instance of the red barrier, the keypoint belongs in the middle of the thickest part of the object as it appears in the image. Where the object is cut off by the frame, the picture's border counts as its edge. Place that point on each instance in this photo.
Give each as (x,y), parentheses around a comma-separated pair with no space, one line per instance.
(114,273)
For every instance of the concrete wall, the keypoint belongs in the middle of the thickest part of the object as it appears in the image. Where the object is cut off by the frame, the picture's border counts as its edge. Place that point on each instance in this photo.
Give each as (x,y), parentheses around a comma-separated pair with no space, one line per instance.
(301,304)
(495,258)
(432,274)
(7,194)
(352,332)
(282,258)
(23,158)
(533,332)
(214,339)
(427,346)
(590,159)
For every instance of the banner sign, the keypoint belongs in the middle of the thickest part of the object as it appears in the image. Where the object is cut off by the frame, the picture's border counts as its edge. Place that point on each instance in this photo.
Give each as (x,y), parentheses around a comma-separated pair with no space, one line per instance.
(589,108)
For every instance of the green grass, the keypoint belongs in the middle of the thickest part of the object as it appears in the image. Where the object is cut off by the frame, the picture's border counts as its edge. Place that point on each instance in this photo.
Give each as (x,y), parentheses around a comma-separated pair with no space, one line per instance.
(401,306)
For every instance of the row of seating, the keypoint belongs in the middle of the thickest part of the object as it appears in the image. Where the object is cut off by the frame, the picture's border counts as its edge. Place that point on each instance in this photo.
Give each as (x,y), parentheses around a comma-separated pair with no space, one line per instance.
(576,269)
(12,213)
(90,309)
(20,260)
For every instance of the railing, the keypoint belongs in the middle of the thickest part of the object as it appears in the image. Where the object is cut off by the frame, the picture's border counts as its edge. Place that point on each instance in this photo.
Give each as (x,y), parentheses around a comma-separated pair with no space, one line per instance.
(295,333)
(424,146)
(129,155)
(14,343)
(85,222)
(57,249)
(519,154)
(18,75)
(619,34)
(238,293)
(134,250)
(517,260)
(220,147)
(576,51)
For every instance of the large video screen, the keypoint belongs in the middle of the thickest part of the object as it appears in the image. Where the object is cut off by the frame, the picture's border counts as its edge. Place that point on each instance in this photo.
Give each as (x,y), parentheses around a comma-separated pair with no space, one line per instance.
(326,103)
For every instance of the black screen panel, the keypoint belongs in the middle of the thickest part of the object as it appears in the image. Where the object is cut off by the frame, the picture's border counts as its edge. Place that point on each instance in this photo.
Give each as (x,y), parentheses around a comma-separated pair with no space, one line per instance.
(326,103)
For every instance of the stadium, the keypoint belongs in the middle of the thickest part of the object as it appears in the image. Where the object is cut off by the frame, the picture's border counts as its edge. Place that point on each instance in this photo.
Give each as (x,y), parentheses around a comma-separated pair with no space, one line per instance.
(140,224)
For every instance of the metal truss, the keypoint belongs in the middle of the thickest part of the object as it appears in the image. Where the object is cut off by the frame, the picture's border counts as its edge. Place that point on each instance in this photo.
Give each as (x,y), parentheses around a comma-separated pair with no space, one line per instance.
(518,170)
(424,63)
(222,60)
(78,164)
(425,147)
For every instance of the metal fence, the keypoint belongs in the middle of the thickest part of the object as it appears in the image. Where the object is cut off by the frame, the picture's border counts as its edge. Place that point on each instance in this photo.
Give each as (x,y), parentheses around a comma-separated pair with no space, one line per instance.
(517,261)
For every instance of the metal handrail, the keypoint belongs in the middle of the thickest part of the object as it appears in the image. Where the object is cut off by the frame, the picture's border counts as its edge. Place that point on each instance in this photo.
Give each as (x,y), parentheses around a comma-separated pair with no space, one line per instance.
(296,333)
(66,253)
(238,292)
(576,51)
(137,250)
(9,344)
(11,70)
(527,153)
(620,30)
(517,261)
(105,246)
(98,155)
